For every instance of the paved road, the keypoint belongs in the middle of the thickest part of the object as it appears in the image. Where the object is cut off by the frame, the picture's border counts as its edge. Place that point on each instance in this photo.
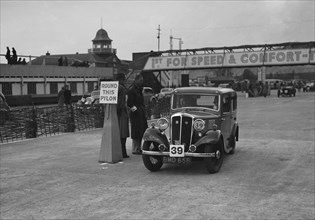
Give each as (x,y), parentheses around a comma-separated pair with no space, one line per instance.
(271,175)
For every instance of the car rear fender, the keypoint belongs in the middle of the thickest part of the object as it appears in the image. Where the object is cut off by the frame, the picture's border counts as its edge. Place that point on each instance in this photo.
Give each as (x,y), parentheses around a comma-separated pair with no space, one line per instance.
(155,135)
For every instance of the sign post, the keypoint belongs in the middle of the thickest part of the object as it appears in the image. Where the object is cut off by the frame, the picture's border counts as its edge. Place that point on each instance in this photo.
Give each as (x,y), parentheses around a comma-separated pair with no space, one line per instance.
(110,146)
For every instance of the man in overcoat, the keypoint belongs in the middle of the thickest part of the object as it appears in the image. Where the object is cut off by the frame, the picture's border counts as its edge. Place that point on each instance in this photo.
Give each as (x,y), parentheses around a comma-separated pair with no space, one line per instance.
(122,113)
(67,95)
(137,116)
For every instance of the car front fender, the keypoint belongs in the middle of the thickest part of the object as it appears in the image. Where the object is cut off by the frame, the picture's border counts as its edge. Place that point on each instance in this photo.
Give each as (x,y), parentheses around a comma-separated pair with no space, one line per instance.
(155,135)
(211,137)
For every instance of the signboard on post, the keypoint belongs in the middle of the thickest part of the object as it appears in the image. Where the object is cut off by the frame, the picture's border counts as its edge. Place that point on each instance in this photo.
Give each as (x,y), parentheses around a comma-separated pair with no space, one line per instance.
(111,151)
(109,92)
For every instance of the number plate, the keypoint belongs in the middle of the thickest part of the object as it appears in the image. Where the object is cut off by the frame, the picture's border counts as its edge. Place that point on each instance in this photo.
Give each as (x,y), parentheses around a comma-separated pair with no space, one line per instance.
(176,160)
(177,150)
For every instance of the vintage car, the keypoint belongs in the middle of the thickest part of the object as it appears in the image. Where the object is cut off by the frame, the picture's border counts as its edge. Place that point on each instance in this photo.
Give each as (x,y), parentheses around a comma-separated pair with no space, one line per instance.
(287,91)
(309,87)
(202,125)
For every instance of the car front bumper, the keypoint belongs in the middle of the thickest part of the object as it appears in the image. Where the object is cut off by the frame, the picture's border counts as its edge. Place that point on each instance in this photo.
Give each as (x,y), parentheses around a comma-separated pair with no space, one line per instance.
(186,154)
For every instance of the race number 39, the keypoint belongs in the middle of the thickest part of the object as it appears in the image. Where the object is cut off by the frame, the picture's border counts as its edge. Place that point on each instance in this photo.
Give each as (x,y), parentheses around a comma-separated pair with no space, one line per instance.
(177,151)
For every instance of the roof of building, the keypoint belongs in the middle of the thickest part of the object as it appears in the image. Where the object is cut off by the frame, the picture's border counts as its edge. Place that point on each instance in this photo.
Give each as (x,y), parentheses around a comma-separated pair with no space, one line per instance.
(54,71)
(89,57)
(101,35)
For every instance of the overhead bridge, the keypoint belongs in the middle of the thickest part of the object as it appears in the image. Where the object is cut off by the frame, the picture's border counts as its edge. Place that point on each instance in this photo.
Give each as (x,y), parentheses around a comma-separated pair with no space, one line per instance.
(284,54)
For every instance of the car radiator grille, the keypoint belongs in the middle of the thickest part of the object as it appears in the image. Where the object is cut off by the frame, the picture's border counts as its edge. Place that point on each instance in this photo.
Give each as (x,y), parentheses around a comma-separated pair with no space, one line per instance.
(181,130)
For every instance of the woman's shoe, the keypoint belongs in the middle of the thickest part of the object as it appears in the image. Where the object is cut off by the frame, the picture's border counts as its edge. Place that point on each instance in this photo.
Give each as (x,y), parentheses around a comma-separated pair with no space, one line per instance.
(125,156)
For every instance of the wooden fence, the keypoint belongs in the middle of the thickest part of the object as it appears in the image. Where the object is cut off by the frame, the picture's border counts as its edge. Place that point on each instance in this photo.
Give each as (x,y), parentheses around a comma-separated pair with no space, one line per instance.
(32,122)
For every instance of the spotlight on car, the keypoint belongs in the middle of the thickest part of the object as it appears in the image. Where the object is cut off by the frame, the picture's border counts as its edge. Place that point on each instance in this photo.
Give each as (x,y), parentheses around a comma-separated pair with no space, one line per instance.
(192,148)
(162,124)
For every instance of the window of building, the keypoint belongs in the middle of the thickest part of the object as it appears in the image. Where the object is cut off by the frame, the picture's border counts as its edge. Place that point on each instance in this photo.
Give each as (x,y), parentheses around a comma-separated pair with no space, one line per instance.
(53,88)
(73,87)
(90,86)
(31,88)
(7,88)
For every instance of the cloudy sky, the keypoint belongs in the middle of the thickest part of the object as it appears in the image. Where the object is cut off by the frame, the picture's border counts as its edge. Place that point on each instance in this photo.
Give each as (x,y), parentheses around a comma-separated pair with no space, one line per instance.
(65,27)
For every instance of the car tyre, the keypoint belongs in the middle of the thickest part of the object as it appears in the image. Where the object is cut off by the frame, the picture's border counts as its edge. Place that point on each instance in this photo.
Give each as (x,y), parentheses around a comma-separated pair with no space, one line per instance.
(152,163)
(213,164)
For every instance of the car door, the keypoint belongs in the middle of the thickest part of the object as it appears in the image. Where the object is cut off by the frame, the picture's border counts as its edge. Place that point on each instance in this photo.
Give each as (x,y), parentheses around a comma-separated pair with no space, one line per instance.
(226,117)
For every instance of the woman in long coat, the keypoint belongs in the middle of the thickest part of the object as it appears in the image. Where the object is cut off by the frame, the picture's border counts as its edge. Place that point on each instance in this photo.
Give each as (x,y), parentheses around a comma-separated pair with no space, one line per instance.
(138,119)
(122,114)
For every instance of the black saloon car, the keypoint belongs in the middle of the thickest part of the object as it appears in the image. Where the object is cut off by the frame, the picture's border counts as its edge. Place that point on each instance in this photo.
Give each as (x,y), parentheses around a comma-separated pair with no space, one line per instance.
(202,126)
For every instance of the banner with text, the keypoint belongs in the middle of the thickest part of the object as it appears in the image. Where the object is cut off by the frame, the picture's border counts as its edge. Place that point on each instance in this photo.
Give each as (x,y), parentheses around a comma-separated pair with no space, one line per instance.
(233,59)
(109,92)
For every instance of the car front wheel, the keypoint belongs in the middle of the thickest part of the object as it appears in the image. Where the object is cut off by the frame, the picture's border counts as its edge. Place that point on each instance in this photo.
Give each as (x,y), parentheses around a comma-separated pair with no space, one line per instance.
(152,163)
(213,164)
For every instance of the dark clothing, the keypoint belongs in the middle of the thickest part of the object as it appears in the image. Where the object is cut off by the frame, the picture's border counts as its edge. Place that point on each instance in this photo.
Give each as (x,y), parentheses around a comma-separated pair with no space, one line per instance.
(137,118)
(14,56)
(60,61)
(265,90)
(61,97)
(65,61)
(122,112)
(8,55)
(67,95)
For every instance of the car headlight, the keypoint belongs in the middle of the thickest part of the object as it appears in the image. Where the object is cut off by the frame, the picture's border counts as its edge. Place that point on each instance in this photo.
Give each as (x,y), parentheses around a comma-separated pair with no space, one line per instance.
(162,124)
(199,124)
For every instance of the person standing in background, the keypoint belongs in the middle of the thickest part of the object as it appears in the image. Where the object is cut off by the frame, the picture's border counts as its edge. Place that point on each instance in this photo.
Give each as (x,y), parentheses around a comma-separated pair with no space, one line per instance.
(65,61)
(14,56)
(122,113)
(67,95)
(8,55)
(61,97)
(137,116)
(265,89)
(60,60)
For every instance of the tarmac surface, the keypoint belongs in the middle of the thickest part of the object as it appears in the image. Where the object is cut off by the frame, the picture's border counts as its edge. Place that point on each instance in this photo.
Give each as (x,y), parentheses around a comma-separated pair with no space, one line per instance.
(271,175)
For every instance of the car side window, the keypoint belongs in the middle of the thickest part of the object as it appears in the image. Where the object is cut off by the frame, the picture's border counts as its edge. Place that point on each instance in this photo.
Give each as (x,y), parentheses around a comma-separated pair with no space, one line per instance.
(234,102)
(226,103)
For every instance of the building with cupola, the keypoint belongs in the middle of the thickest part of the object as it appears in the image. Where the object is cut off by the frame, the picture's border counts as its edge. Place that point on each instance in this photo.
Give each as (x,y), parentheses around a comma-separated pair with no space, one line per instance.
(100,55)
(44,76)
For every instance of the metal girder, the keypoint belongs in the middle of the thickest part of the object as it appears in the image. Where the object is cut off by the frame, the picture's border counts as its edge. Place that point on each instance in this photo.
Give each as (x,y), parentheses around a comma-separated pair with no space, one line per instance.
(242,48)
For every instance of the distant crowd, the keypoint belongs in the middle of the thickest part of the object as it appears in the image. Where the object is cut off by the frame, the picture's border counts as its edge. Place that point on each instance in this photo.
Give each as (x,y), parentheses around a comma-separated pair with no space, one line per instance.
(13,59)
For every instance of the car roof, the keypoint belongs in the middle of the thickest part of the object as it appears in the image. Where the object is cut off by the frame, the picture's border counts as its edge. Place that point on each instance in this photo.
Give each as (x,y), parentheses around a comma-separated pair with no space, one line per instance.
(95,93)
(147,88)
(212,90)
(167,89)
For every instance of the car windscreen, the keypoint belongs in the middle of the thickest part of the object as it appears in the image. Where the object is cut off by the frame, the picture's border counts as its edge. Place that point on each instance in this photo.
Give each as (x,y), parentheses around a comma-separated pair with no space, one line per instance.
(183,100)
